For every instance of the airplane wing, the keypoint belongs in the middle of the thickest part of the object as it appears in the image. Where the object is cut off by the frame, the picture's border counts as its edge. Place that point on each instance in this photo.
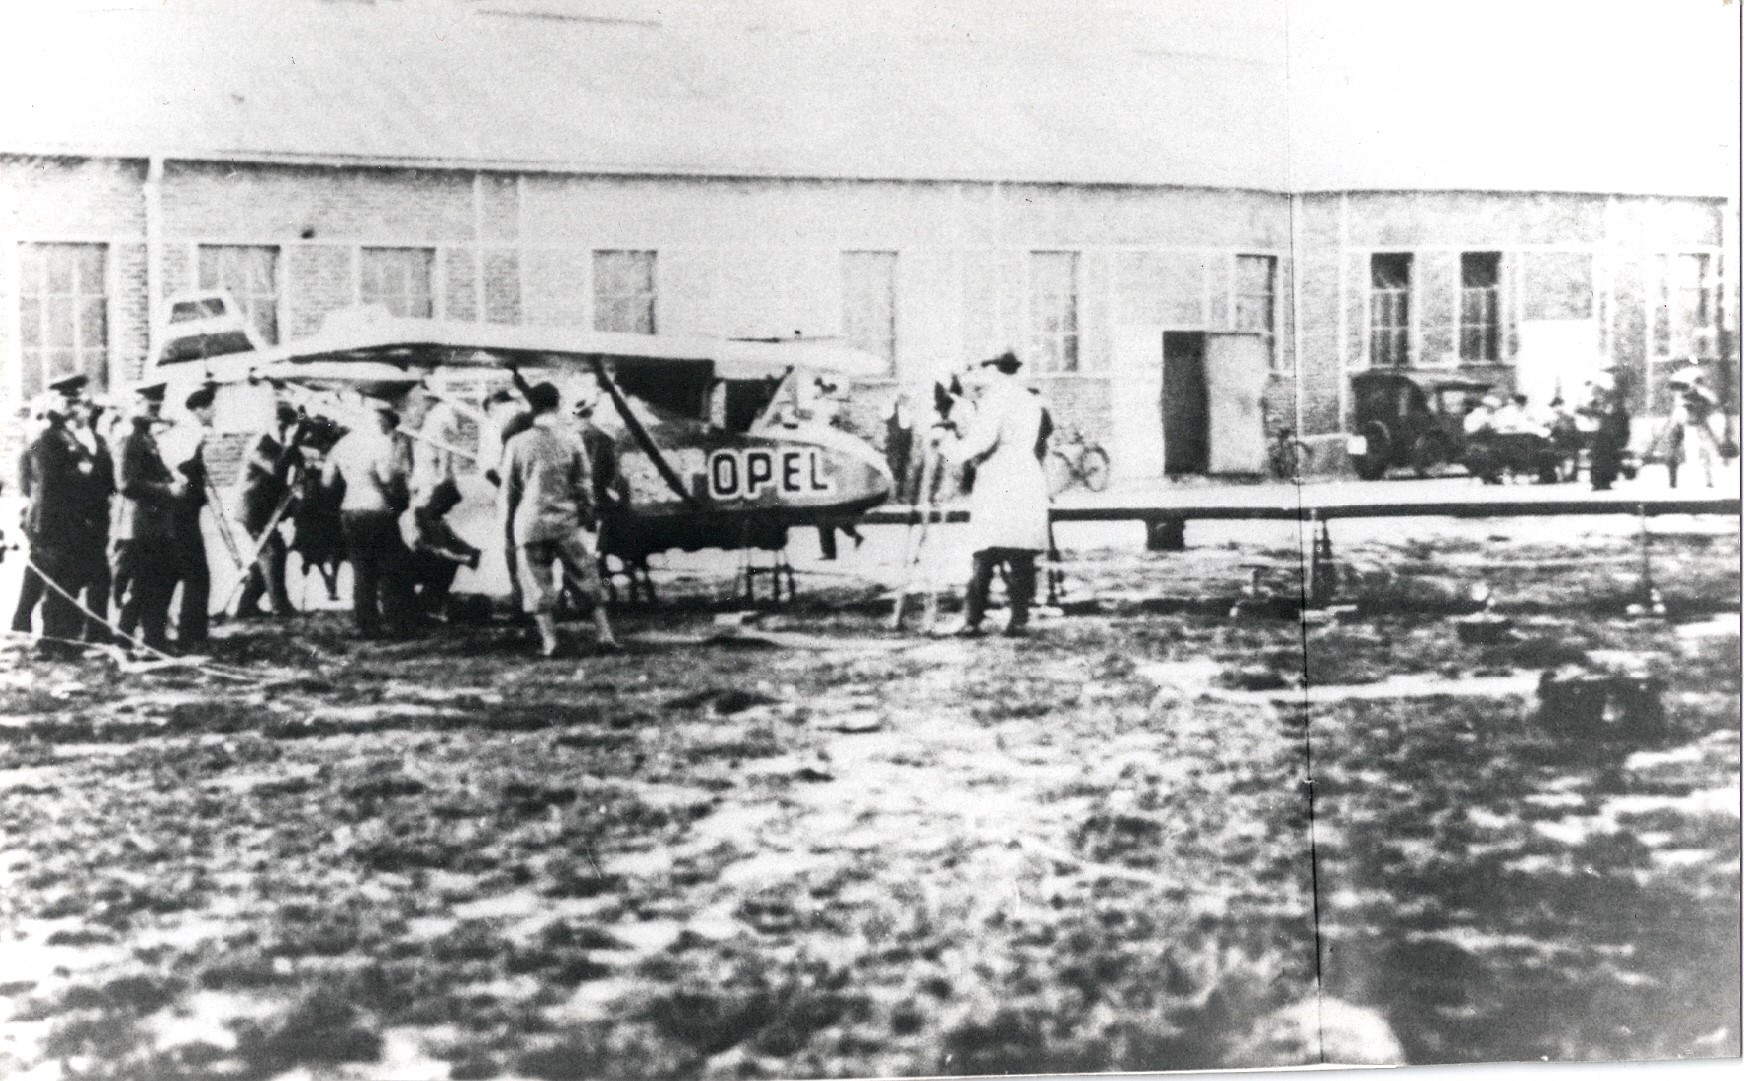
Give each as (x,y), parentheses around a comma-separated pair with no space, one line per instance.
(426,343)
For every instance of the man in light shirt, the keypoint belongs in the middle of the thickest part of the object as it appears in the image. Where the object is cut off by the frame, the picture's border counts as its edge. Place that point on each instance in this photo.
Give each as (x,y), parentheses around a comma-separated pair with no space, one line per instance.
(548,500)
(373,472)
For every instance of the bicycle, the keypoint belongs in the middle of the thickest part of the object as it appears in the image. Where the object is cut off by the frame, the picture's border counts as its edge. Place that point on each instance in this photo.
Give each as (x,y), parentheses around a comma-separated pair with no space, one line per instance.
(1286,453)
(1075,458)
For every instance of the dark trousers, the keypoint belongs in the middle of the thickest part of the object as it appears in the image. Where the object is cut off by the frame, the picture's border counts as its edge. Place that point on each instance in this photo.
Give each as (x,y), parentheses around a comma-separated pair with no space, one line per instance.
(195,578)
(30,592)
(827,537)
(434,577)
(145,582)
(1605,460)
(268,583)
(1020,565)
(83,576)
(381,572)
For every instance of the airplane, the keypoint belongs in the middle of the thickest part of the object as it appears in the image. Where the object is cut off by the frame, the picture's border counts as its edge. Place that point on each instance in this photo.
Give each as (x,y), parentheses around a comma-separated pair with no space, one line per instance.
(721,443)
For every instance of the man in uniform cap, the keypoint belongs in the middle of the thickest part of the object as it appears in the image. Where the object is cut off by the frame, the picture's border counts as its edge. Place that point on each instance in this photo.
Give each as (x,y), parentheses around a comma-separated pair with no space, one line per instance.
(64,523)
(373,474)
(145,558)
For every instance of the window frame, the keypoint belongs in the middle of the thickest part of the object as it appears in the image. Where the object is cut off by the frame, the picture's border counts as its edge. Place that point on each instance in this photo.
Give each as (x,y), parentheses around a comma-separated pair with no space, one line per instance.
(1401,332)
(1057,351)
(429,278)
(251,301)
(1241,297)
(889,262)
(1491,343)
(92,359)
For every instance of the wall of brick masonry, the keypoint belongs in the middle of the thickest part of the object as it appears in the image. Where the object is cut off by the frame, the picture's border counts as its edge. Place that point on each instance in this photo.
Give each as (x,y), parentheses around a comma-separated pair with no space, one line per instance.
(1564,256)
(760,258)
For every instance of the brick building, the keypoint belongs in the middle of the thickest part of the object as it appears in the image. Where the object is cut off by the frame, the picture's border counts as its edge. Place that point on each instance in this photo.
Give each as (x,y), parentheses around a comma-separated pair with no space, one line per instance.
(574,164)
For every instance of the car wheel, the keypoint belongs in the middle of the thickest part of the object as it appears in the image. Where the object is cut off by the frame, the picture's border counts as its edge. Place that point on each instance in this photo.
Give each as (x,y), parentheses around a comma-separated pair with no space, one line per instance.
(1427,453)
(1372,465)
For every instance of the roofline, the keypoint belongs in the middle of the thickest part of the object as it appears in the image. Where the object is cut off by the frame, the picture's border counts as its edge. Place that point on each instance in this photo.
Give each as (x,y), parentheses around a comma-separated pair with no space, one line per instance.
(1468,190)
(578,168)
(583,168)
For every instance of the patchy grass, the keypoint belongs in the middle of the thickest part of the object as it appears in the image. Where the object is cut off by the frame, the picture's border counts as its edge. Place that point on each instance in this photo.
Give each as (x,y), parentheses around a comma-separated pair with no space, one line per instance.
(658,865)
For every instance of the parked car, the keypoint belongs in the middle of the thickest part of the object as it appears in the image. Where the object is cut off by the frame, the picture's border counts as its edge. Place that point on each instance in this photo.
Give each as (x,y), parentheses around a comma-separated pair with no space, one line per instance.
(1413,420)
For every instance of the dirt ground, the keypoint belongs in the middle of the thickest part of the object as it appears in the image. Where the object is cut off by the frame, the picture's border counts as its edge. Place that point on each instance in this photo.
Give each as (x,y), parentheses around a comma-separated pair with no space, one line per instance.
(804,846)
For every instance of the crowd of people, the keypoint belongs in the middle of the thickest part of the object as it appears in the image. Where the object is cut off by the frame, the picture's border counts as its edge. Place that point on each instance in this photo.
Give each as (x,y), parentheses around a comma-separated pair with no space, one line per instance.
(123,530)
(1693,432)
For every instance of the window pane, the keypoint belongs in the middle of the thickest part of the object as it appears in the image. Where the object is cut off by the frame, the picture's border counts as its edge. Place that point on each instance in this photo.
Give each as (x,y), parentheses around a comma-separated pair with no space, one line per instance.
(59,310)
(30,322)
(398,279)
(623,291)
(869,301)
(93,319)
(1054,309)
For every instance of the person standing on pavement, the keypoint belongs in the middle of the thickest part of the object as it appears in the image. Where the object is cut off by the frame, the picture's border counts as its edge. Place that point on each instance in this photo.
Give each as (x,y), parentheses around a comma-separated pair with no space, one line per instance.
(1610,435)
(1008,508)
(266,484)
(548,501)
(367,466)
(144,558)
(1694,415)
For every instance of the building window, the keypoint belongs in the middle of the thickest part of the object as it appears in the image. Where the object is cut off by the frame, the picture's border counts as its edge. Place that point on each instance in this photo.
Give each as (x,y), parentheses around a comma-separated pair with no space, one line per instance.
(398,279)
(1480,306)
(869,302)
(1053,310)
(1686,309)
(1256,298)
(250,273)
(1390,309)
(63,308)
(623,291)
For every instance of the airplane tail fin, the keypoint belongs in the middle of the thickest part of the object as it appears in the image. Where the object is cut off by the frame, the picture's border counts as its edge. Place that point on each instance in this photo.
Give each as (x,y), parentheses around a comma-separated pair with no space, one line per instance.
(201,325)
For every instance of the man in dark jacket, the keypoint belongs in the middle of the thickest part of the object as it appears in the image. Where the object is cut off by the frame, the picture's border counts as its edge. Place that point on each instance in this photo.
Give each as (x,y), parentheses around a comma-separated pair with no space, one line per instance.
(145,558)
(192,571)
(265,487)
(67,522)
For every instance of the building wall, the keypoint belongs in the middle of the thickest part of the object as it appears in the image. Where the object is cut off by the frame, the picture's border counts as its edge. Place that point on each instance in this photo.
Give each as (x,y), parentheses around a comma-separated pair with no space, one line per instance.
(1565,259)
(753,258)
(749,257)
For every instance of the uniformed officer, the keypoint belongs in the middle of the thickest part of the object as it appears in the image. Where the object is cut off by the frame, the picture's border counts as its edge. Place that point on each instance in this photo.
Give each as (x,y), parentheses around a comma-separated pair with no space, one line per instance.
(69,503)
(145,559)
(96,490)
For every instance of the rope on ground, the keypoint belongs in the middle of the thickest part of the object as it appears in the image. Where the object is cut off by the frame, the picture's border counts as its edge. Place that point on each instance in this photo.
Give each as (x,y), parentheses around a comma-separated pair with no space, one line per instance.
(161,658)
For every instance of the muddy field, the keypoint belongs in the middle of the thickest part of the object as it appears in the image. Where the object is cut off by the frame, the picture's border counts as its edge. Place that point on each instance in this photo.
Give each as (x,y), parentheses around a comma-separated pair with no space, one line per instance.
(803,846)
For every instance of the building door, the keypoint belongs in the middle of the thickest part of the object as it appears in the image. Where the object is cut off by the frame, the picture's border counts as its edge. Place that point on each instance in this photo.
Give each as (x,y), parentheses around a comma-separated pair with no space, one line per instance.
(1186,404)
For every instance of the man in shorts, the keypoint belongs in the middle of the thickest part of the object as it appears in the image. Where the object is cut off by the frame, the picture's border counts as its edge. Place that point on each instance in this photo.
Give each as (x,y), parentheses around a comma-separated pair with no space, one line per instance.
(548,501)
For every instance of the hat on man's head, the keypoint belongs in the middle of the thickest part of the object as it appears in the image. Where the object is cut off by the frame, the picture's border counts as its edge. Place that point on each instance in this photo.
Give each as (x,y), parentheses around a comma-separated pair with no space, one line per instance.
(150,392)
(543,397)
(204,397)
(1005,363)
(71,386)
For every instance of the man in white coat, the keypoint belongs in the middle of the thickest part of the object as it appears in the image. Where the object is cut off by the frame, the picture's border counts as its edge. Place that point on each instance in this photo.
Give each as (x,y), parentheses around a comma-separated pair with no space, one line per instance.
(1008,508)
